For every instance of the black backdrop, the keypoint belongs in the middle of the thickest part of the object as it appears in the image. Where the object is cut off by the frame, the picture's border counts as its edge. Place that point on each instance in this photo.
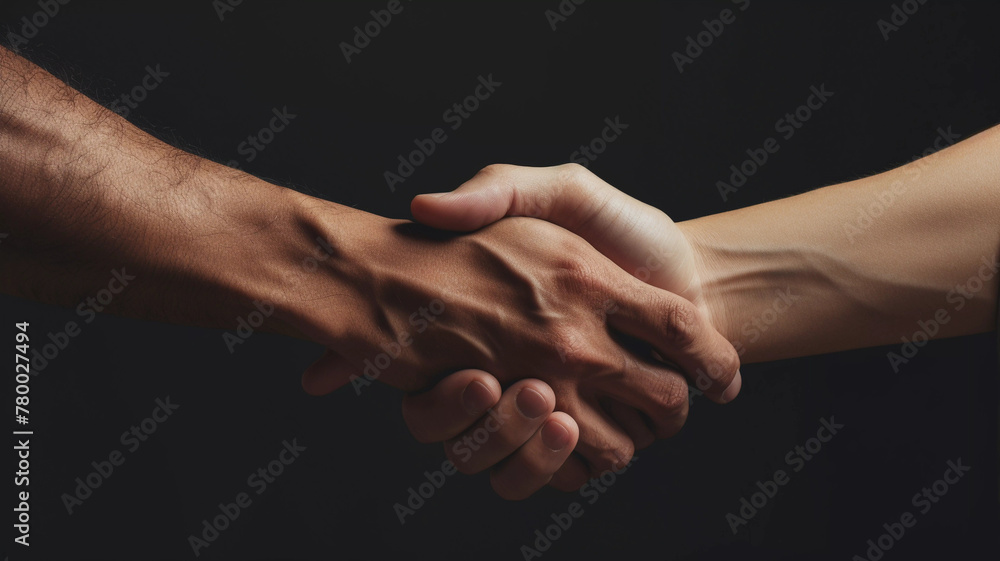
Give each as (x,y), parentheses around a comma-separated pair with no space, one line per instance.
(938,70)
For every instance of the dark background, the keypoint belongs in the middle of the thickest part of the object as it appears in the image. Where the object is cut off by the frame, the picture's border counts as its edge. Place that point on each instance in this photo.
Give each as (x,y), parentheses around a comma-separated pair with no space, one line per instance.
(607,59)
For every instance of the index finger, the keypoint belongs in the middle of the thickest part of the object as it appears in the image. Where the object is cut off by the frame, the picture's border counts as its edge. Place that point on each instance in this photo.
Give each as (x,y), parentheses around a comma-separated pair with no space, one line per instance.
(680,333)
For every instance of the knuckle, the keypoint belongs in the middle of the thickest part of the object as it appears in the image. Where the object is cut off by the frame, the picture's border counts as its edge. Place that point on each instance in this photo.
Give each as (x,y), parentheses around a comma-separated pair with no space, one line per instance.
(580,275)
(495,170)
(613,458)
(679,322)
(674,397)
(570,257)
(721,370)
(569,341)
(574,175)
(673,408)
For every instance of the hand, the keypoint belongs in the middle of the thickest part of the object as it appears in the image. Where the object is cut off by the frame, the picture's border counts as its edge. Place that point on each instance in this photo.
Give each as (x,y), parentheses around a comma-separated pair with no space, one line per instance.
(520,298)
(639,238)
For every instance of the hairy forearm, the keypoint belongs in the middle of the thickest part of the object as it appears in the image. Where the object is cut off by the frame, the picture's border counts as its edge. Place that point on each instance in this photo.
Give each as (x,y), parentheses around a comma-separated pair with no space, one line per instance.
(861,263)
(84,193)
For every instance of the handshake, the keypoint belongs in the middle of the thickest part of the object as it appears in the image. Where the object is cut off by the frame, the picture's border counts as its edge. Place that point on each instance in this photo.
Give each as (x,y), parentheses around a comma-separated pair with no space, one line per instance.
(596,362)
(545,324)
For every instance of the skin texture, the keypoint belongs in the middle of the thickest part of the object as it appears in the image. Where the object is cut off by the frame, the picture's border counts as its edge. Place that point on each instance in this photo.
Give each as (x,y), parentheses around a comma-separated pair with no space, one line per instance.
(804,275)
(83,193)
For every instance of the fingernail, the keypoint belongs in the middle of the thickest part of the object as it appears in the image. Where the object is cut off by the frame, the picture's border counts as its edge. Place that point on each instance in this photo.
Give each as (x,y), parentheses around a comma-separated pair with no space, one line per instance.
(555,436)
(734,388)
(477,398)
(531,404)
(435,195)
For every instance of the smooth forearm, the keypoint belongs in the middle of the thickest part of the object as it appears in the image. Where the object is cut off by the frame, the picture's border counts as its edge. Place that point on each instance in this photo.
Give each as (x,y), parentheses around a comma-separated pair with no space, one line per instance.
(859,264)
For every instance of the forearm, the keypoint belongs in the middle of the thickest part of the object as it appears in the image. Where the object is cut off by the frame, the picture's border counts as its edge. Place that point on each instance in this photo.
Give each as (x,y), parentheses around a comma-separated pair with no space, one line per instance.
(83,193)
(808,275)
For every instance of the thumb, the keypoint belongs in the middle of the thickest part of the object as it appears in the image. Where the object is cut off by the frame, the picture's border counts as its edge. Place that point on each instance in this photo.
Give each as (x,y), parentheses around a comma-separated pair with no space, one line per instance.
(328,374)
(470,207)
(567,196)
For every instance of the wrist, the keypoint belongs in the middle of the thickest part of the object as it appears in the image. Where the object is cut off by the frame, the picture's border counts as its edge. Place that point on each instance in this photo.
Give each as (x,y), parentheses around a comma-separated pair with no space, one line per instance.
(762,290)
(312,264)
(710,267)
